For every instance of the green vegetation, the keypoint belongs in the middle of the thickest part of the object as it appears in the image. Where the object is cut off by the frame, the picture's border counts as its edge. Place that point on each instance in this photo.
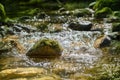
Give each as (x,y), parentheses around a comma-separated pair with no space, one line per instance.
(109,72)
(104,8)
(113,4)
(75,5)
(116,27)
(115,47)
(102,13)
(2,13)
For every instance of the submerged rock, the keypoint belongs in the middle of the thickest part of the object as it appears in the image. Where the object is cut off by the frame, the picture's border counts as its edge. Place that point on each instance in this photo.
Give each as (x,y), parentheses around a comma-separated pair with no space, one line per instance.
(45,48)
(102,41)
(82,26)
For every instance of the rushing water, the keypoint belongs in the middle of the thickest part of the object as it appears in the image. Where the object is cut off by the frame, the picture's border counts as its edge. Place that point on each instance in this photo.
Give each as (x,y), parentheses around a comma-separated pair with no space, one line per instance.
(78,53)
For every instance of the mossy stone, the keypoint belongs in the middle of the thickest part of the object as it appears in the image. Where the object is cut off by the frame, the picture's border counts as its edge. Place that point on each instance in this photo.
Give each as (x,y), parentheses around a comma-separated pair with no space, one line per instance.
(45,48)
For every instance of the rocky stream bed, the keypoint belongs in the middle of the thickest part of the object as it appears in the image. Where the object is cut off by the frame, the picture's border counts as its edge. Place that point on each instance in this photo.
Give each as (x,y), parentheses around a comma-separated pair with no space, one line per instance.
(82,56)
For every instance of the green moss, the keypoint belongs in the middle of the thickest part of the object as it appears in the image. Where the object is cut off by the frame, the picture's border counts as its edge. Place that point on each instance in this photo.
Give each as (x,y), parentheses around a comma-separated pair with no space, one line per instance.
(45,48)
(2,13)
(47,42)
(102,13)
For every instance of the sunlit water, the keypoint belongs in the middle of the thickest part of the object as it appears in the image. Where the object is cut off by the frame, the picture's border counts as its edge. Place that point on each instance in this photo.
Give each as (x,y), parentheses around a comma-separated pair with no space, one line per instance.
(78,53)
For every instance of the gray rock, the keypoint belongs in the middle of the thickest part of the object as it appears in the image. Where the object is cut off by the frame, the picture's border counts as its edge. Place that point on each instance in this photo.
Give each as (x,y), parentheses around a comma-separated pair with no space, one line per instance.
(82,26)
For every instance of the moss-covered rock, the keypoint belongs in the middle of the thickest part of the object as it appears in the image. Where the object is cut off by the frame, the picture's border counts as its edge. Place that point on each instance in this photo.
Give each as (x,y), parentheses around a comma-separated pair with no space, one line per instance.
(116,27)
(45,48)
(103,13)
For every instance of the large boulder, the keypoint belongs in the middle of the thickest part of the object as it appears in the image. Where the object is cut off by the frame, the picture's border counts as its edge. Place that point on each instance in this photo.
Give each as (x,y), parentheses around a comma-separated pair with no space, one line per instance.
(102,41)
(45,48)
(81,26)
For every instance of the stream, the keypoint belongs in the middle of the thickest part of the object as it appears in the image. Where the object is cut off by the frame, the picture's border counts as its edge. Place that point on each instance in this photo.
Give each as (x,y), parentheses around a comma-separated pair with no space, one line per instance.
(78,53)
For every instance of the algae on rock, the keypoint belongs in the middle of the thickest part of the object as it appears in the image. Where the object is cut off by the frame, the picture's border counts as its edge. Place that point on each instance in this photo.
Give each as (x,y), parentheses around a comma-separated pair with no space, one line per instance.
(45,48)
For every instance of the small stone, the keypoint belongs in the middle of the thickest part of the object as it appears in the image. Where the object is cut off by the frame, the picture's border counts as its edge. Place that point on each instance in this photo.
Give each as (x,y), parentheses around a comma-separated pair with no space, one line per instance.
(102,41)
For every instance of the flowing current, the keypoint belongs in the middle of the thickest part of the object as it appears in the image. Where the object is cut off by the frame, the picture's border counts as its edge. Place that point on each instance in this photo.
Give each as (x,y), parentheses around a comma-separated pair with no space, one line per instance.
(78,52)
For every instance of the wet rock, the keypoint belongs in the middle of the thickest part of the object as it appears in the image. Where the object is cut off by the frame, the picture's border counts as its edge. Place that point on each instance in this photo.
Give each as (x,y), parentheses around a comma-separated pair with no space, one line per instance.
(41,15)
(116,27)
(21,72)
(17,29)
(81,12)
(45,48)
(46,77)
(25,28)
(102,41)
(103,13)
(23,18)
(82,26)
